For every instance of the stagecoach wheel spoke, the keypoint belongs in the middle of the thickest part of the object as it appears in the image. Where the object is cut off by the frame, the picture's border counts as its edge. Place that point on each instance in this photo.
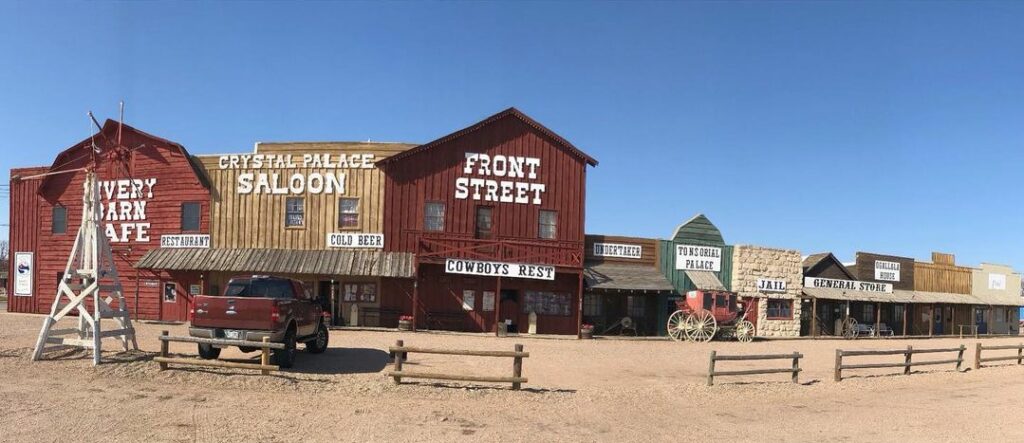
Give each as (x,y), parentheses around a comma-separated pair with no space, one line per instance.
(850,328)
(745,331)
(705,326)
(677,326)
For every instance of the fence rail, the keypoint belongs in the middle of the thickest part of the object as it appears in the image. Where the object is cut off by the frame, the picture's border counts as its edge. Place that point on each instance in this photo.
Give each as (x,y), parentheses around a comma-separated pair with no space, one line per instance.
(263,366)
(907,363)
(978,359)
(794,370)
(400,353)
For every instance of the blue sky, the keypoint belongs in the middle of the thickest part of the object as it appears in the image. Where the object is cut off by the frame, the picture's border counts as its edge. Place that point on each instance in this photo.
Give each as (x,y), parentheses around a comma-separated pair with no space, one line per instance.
(820,126)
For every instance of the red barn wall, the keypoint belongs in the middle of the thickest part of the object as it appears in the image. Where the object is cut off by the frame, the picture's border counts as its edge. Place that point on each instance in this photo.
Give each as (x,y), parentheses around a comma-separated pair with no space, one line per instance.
(24,236)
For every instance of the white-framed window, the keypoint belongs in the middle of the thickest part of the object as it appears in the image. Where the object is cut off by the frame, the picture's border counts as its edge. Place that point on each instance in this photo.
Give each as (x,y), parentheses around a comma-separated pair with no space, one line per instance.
(295,212)
(548,224)
(433,216)
(348,213)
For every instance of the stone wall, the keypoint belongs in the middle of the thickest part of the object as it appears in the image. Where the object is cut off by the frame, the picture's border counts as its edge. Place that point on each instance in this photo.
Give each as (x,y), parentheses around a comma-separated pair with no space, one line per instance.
(753,262)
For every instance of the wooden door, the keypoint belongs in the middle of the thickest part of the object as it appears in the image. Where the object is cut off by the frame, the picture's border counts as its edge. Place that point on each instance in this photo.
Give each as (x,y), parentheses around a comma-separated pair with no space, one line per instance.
(174,305)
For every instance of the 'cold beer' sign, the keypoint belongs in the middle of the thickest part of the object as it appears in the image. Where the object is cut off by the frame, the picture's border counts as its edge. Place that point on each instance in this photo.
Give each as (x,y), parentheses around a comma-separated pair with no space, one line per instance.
(698,258)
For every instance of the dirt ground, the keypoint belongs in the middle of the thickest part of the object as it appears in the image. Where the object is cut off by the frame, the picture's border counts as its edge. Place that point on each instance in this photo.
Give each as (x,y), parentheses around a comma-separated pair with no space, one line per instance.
(595,390)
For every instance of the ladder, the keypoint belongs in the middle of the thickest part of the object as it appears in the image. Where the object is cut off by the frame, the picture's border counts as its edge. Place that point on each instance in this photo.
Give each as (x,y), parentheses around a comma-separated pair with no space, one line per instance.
(90,280)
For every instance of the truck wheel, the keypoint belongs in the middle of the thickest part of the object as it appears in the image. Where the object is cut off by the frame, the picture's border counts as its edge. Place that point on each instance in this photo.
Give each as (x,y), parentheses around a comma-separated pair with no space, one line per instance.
(319,343)
(246,349)
(208,352)
(285,358)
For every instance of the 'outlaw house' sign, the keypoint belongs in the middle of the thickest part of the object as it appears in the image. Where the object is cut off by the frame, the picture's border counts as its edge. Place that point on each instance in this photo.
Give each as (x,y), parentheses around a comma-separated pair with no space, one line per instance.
(887,270)
(849,285)
(497,269)
(698,258)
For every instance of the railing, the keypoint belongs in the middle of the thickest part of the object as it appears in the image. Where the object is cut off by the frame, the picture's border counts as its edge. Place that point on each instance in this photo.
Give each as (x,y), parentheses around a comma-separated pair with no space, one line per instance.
(439,246)
(794,370)
(400,352)
(907,363)
(978,359)
(264,366)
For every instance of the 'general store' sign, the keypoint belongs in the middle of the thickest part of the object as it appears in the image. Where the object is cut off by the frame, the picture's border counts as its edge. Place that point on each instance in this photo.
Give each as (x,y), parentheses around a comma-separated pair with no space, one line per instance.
(887,270)
(617,250)
(849,285)
(698,258)
(296,183)
(355,240)
(486,188)
(496,269)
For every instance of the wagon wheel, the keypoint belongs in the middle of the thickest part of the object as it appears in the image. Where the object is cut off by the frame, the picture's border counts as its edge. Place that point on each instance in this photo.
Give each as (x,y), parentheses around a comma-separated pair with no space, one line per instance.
(702,327)
(745,331)
(850,328)
(677,326)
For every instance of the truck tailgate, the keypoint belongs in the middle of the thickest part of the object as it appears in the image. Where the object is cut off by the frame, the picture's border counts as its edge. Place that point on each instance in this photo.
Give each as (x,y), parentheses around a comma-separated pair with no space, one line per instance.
(233,312)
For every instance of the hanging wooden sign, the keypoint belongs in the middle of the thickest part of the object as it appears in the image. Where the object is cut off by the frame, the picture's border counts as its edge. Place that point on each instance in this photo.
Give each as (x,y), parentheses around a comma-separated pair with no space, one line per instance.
(497,269)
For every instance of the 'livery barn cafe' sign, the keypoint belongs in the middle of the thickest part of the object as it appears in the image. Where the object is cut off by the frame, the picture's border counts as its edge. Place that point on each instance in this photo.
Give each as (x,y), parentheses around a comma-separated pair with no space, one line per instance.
(265,180)
(698,258)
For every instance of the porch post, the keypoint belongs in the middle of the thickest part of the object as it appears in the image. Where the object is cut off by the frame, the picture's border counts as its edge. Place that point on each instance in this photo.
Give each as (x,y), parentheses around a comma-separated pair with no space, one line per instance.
(415,294)
(497,305)
(905,307)
(814,317)
(579,308)
(931,320)
(878,318)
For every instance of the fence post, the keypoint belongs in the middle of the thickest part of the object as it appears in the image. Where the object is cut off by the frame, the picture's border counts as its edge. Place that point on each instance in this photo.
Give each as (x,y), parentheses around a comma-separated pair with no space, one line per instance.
(977,356)
(398,361)
(839,365)
(265,356)
(163,350)
(517,368)
(796,367)
(711,369)
(960,357)
(1020,353)
(907,359)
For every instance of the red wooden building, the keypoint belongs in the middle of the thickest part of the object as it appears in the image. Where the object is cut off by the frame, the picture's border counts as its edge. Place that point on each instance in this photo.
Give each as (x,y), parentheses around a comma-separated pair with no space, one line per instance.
(494,214)
(151,189)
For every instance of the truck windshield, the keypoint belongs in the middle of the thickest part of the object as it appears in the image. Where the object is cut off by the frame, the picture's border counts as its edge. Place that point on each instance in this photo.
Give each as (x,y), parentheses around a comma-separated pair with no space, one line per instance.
(259,288)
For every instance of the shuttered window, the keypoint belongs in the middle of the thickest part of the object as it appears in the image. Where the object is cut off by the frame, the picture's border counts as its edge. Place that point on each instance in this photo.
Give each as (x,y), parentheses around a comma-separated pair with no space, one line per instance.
(190,216)
(60,220)
(433,217)
(295,212)
(548,224)
(348,213)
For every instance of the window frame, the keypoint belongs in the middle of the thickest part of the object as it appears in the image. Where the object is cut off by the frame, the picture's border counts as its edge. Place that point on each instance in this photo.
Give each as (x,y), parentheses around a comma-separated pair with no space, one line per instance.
(53,225)
(358,212)
(490,222)
(199,216)
(287,211)
(426,215)
(541,225)
(768,309)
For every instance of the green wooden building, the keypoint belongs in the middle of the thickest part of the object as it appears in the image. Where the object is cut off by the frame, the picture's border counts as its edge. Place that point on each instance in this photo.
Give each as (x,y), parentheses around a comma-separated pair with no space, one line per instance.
(695,257)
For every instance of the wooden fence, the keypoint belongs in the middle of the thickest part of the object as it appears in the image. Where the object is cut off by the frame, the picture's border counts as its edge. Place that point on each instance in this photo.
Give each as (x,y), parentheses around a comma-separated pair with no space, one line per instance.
(978,359)
(907,363)
(400,352)
(794,370)
(264,365)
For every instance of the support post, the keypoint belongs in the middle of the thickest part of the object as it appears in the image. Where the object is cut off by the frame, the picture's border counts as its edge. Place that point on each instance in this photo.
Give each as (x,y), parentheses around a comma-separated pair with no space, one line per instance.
(931,320)
(163,350)
(579,307)
(265,356)
(399,356)
(905,307)
(878,319)
(497,306)
(711,369)
(839,365)
(907,360)
(517,368)
(814,317)
(796,367)
(977,356)
(960,357)
(1020,354)
(415,295)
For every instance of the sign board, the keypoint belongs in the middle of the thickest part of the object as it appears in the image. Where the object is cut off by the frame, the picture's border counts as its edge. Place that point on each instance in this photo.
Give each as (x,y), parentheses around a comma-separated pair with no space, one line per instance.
(500,178)
(997,282)
(185,241)
(195,289)
(849,285)
(278,181)
(23,270)
(355,240)
(151,283)
(468,300)
(771,285)
(617,250)
(698,258)
(123,209)
(887,270)
(488,302)
(497,269)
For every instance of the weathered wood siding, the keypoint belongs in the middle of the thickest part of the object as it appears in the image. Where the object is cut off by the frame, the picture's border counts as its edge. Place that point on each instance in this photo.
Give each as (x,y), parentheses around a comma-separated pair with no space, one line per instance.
(648,253)
(251,220)
(24,234)
(942,275)
(865,269)
(697,231)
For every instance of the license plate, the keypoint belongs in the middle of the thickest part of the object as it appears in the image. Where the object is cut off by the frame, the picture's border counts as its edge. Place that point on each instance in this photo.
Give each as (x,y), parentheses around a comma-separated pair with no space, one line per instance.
(231,334)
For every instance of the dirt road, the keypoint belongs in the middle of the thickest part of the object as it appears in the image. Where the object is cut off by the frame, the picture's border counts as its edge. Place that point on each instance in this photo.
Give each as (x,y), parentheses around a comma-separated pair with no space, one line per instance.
(598,390)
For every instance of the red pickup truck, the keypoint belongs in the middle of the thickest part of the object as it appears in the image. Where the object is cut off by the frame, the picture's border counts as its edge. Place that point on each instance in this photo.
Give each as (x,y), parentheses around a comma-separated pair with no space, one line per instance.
(258,306)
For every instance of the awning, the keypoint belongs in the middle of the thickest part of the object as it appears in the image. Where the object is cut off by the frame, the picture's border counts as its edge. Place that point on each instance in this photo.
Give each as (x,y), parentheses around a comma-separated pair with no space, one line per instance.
(282,261)
(915,297)
(705,280)
(850,295)
(625,277)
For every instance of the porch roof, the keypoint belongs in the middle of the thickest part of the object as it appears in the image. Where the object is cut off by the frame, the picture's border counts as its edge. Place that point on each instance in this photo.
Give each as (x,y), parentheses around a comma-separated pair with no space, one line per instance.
(705,280)
(625,277)
(914,297)
(282,261)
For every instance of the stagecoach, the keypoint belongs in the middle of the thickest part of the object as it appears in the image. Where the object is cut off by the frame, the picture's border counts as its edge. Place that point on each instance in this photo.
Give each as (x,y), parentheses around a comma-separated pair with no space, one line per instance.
(702,315)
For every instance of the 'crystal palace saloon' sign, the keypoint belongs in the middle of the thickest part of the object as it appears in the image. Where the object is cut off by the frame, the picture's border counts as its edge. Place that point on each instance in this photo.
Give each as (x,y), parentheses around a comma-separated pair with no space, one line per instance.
(849,285)
(698,258)
(325,179)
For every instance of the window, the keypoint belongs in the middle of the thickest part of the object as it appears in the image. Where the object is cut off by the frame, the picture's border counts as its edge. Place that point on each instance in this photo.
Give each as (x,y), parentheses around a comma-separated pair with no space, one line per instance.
(483,221)
(591,305)
(348,213)
(60,220)
(709,301)
(780,309)
(259,287)
(719,300)
(433,217)
(360,292)
(869,313)
(190,216)
(547,303)
(635,306)
(548,224)
(295,212)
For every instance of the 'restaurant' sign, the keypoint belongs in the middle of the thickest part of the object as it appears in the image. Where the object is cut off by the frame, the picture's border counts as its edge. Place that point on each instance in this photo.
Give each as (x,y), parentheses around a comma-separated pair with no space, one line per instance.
(270,176)
(698,258)
(887,270)
(771,285)
(355,240)
(23,273)
(617,250)
(500,178)
(497,269)
(185,241)
(849,285)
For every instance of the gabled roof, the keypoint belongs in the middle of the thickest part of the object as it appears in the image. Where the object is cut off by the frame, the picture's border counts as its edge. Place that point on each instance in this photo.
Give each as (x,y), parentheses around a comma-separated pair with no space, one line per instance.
(698,230)
(814,260)
(105,139)
(510,112)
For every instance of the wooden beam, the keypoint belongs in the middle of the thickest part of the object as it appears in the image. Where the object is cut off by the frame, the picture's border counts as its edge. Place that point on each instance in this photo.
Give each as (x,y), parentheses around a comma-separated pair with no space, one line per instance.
(878,318)
(905,307)
(456,377)
(497,305)
(814,317)
(215,363)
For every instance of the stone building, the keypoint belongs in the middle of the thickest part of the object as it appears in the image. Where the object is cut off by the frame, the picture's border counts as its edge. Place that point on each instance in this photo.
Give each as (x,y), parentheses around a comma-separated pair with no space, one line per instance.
(774,278)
